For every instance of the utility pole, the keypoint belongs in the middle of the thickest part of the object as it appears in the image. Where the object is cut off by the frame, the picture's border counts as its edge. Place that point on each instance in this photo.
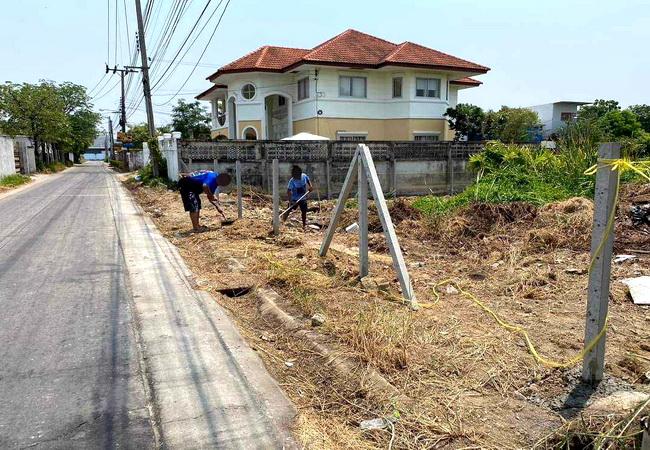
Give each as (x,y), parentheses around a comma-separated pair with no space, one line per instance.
(123,73)
(110,137)
(145,80)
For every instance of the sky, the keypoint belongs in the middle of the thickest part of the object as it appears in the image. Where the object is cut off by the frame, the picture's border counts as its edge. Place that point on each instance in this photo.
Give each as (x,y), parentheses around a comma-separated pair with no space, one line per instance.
(538,52)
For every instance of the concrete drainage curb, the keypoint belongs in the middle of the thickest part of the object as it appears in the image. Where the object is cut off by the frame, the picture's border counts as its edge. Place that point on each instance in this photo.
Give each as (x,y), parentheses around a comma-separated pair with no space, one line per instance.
(341,364)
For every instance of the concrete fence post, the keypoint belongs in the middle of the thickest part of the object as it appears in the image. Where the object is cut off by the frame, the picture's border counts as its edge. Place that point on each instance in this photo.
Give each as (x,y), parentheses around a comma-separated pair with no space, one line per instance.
(362,182)
(600,271)
(145,153)
(450,170)
(240,209)
(276,197)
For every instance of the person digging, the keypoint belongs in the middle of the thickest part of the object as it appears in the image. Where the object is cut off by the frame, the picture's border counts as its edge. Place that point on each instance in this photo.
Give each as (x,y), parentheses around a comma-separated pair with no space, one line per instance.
(298,188)
(202,181)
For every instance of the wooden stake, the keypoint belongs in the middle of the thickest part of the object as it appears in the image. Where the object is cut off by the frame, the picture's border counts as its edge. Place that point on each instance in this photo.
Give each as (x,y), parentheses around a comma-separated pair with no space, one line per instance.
(240,211)
(599,276)
(276,197)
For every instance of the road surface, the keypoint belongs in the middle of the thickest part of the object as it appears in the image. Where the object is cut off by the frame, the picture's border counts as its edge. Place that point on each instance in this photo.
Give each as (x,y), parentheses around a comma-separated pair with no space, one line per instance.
(104,342)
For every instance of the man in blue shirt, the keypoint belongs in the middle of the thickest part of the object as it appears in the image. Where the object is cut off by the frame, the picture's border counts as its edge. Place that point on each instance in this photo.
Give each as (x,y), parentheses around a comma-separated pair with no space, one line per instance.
(202,181)
(299,185)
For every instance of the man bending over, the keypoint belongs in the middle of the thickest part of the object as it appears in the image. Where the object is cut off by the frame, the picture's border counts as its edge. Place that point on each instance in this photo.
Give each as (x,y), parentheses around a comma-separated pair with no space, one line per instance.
(202,181)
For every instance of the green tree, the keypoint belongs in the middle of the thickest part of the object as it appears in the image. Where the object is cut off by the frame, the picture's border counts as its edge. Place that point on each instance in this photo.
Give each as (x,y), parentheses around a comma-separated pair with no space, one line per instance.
(617,124)
(139,133)
(597,109)
(467,121)
(642,113)
(515,124)
(191,119)
(35,110)
(83,130)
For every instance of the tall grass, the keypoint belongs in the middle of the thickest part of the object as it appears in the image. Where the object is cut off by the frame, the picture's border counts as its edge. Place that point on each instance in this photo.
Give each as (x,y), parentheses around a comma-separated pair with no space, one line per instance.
(11,181)
(509,173)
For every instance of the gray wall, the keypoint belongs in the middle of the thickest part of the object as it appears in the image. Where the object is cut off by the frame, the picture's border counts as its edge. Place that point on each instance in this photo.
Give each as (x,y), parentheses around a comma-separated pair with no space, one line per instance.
(7,163)
(404,168)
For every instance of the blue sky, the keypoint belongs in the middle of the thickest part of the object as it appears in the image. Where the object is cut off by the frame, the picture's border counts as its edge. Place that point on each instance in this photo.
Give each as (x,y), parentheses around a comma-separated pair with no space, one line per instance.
(539,51)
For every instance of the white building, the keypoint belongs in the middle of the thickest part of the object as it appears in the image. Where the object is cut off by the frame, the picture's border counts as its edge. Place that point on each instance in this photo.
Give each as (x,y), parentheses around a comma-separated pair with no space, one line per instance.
(553,116)
(351,87)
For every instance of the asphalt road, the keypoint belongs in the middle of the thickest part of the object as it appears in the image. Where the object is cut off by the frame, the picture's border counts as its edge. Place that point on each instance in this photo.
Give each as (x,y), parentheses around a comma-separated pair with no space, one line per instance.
(69,363)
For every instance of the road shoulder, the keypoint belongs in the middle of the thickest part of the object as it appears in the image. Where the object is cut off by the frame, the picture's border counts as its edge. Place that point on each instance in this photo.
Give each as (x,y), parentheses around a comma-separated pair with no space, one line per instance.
(209,388)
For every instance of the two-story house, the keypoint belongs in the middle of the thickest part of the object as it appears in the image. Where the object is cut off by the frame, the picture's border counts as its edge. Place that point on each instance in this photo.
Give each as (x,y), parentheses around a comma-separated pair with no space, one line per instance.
(351,87)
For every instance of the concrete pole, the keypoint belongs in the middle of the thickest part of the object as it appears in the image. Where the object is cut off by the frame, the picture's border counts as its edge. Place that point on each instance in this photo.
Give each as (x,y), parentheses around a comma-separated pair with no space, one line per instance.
(240,211)
(276,197)
(601,254)
(363,221)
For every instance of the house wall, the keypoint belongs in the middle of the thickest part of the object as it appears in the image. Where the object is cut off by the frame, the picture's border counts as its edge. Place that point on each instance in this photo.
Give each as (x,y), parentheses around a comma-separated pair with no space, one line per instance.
(243,124)
(337,112)
(377,129)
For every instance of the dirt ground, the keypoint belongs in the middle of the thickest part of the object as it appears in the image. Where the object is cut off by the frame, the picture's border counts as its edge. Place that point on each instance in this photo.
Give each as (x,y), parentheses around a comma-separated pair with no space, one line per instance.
(469,382)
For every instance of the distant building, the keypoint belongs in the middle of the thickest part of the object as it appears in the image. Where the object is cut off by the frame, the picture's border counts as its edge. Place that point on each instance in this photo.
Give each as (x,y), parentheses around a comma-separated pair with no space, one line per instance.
(97,150)
(351,87)
(553,116)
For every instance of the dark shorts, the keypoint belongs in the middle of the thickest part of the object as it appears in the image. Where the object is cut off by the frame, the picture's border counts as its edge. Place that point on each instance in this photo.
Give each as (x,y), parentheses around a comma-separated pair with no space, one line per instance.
(301,204)
(190,194)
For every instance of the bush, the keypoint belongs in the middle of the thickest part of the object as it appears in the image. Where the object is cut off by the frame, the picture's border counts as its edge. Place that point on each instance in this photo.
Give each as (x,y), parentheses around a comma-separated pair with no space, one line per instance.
(514,173)
(53,167)
(117,164)
(11,181)
(147,178)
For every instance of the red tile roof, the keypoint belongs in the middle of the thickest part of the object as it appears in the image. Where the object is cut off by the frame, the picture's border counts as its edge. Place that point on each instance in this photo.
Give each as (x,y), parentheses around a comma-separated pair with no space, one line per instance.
(467,81)
(350,49)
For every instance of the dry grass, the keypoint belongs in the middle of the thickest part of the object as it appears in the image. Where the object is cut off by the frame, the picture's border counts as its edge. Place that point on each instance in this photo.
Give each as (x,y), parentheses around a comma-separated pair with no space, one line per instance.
(464,374)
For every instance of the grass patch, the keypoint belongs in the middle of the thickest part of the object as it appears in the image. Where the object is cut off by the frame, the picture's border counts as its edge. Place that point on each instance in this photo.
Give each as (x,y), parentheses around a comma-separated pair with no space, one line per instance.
(53,167)
(12,181)
(513,173)
(148,179)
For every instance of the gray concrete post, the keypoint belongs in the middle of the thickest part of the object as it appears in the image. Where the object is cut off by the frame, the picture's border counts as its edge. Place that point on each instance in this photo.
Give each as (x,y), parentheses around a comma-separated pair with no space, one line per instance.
(240,211)
(276,197)
(363,221)
(450,171)
(601,255)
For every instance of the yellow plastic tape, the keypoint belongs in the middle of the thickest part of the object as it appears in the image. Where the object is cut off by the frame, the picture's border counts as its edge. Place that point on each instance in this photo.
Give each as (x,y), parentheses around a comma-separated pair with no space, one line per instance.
(641,168)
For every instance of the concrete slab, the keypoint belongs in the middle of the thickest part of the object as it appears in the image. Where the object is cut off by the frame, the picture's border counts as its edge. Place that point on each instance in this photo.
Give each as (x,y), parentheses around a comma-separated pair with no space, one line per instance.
(210,389)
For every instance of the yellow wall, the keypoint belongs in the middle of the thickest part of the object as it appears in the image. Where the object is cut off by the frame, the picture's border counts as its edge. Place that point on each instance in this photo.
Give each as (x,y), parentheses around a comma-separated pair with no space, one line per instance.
(243,124)
(377,129)
(219,131)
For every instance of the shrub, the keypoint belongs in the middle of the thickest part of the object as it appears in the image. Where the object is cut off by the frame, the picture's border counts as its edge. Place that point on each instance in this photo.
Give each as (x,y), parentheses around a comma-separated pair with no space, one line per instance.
(514,173)
(11,181)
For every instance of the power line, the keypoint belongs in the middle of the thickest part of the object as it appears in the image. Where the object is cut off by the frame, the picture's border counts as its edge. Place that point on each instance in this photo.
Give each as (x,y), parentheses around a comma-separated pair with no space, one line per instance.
(126,21)
(184,42)
(162,82)
(116,32)
(203,52)
(97,97)
(108,31)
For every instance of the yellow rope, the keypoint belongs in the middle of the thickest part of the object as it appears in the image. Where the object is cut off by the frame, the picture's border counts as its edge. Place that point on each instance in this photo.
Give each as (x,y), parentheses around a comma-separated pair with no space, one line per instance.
(641,168)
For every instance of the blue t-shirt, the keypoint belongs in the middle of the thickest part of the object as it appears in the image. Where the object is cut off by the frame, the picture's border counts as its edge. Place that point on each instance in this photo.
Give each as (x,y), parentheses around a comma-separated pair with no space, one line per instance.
(298,188)
(207,177)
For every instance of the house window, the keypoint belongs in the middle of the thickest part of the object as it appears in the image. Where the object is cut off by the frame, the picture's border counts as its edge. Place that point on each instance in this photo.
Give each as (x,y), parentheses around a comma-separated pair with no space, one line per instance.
(303,89)
(282,100)
(353,136)
(250,134)
(221,111)
(427,87)
(426,137)
(352,87)
(397,87)
(568,116)
(248,91)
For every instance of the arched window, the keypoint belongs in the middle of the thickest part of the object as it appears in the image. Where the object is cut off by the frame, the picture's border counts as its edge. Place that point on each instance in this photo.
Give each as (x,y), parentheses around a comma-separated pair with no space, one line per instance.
(250,134)
(248,91)
(221,111)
